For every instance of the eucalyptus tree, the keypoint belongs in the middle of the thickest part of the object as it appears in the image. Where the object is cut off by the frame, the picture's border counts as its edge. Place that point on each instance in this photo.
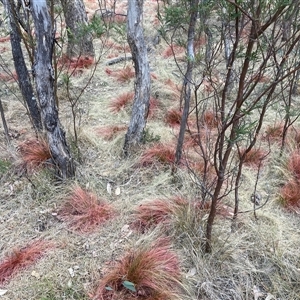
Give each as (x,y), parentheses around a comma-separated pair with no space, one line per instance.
(138,48)
(44,80)
(80,41)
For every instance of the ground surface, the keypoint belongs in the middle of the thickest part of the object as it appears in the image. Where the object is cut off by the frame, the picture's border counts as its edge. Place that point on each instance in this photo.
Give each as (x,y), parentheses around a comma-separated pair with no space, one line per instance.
(260,260)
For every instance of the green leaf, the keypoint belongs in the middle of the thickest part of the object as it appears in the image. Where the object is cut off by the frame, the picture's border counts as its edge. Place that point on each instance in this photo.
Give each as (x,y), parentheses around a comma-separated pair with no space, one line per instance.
(129,285)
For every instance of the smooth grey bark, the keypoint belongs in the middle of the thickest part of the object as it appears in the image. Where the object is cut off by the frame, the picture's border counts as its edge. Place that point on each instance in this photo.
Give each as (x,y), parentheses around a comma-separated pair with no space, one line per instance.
(138,48)
(45,89)
(187,78)
(79,42)
(21,68)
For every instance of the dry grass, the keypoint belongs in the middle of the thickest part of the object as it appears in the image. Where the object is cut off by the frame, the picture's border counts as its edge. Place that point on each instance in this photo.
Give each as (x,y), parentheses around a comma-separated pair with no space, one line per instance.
(121,102)
(173,50)
(173,117)
(157,211)
(273,133)
(34,154)
(84,212)
(75,65)
(255,157)
(110,132)
(162,153)
(22,258)
(123,75)
(290,194)
(152,268)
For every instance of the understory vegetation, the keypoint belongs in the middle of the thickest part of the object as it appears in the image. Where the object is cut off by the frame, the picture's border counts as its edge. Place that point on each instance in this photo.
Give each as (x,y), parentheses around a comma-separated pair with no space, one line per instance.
(214,216)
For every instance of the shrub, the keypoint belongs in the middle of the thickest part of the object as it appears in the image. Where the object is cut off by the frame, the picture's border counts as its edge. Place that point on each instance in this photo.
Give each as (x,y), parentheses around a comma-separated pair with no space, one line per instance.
(83,211)
(22,258)
(149,272)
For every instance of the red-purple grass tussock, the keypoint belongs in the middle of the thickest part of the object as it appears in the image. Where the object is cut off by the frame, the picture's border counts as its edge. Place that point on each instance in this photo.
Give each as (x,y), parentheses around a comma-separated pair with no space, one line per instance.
(294,164)
(273,133)
(84,211)
(123,75)
(255,157)
(158,211)
(173,117)
(34,153)
(290,195)
(162,153)
(121,102)
(152,269)
(109,132)
(22,258)
(210,120)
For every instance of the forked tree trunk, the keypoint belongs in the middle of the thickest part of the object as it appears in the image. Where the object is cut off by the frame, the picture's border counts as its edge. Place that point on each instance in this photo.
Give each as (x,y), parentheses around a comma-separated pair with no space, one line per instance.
(21,68)
(44,85)
(79,41)
(138,48)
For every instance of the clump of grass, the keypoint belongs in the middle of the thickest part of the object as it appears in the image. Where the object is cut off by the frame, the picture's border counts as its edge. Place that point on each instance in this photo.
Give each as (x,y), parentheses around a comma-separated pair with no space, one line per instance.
(109,132)
(294,164)
(121,102)
(173,117)
(22,258)
(123,75)
(84,211)
(162,153)
(150,271)
(158,211)
(290,195)
(173,50)
(153,107)
(273,133)
(76,65)
(254,157)
(34,153)
(210,120)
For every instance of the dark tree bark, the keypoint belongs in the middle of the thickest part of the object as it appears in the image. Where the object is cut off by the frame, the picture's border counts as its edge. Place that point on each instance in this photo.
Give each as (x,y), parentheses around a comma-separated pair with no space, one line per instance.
(21,68)
(79,42)
(4,122)
(138,48)
(187,78)
(44,85)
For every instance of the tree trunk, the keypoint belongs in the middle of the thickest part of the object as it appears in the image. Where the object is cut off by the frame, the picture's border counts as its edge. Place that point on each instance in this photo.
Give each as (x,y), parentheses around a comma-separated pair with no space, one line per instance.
(44,85)
(138,48)
(79,42)
(187,78)
(21,68)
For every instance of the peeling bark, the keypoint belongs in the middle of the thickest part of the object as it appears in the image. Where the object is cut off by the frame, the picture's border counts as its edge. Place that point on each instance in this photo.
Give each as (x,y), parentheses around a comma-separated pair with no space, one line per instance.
(44,78)
(138,48)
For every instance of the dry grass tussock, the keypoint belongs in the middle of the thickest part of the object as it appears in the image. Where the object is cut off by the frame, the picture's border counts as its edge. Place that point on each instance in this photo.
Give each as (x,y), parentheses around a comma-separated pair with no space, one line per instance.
(149,271)
(83,211)
(22,258)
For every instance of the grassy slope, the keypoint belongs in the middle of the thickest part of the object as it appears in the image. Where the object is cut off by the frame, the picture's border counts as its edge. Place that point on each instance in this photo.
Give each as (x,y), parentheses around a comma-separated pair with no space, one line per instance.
(262,255)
